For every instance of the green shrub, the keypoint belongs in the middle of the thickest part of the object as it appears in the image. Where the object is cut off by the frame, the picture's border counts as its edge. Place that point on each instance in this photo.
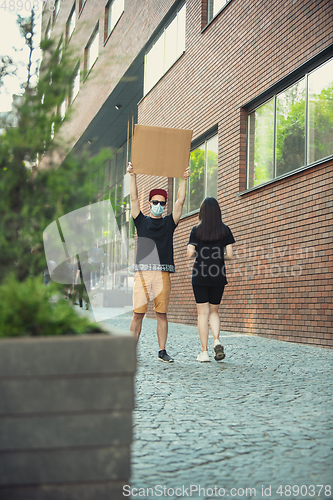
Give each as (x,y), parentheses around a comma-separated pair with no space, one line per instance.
(27,309)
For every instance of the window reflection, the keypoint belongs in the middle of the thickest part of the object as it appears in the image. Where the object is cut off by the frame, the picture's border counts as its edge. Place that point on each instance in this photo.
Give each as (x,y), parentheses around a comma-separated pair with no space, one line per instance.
(197,179)
(211,154)
(260,144)
(320,114)
(290,129)
(203,180)
(299,140)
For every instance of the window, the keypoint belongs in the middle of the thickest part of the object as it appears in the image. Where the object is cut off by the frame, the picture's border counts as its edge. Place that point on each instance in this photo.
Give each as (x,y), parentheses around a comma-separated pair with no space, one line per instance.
(320,113)
(91,50)
(60,48)
(203,180)
(76,85)
(214,7)
(293,129)
(62,110)
(81,5)
(114,176)
(166,49)
(56,10)
(113,11)
(70,25)
(52,131)
(48,31)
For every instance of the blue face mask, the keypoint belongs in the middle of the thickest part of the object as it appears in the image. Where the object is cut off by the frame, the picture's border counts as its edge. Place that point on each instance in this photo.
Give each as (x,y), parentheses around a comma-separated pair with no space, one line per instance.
(157,210)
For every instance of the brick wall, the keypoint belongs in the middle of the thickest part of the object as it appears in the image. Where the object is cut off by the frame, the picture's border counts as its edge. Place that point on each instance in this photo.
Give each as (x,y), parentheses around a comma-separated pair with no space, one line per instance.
(116,54)
(280,282)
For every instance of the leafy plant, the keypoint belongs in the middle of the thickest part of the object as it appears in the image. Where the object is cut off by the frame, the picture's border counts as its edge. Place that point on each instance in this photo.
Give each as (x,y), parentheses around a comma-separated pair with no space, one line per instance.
(31,309)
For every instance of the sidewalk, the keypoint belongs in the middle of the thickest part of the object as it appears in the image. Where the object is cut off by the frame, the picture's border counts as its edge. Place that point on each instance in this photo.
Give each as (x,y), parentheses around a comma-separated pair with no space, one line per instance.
(245,427)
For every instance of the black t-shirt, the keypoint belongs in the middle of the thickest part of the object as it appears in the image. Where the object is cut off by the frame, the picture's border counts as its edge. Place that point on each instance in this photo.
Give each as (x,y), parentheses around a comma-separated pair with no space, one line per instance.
(155,243)
(209,268)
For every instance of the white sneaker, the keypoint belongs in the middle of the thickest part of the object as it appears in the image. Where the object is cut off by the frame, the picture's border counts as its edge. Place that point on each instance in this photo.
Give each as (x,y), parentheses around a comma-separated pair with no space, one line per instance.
(203,357)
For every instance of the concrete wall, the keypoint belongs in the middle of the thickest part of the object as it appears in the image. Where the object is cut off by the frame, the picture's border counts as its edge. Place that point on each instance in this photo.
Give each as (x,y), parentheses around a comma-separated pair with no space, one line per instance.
(66,417)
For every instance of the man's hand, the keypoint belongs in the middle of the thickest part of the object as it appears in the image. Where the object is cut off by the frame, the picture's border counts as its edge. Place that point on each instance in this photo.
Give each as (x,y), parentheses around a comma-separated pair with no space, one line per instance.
(187,173)
(130,169)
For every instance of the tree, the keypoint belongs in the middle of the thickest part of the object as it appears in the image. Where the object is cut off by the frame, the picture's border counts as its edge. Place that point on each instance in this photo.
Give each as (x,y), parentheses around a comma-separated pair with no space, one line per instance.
(7,68)
(31,198)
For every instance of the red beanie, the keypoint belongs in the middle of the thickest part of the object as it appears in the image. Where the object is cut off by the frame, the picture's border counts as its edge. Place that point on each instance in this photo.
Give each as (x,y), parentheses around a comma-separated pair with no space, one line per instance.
(162,192)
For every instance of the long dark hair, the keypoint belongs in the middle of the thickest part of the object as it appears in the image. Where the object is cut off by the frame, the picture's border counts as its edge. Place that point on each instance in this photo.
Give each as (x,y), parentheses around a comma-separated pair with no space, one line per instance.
(211,227)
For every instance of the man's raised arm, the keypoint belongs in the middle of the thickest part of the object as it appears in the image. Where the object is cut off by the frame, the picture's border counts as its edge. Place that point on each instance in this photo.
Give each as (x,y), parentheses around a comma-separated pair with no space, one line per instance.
(135,205)
(178,208)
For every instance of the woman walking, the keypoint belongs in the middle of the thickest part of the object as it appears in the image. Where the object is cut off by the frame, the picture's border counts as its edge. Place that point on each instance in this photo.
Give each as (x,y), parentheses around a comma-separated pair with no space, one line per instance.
(210,244)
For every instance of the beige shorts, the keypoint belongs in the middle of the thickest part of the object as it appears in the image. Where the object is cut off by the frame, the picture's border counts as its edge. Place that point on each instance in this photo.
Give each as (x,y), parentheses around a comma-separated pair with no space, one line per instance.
(151,285)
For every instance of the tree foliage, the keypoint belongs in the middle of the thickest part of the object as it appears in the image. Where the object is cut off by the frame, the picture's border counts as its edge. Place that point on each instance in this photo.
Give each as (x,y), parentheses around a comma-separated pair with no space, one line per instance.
(28,308)
(30,197)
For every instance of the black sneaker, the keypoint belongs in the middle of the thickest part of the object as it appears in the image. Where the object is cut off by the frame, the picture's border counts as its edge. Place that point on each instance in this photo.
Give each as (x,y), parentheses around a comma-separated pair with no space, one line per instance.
(163,356)
(219,352)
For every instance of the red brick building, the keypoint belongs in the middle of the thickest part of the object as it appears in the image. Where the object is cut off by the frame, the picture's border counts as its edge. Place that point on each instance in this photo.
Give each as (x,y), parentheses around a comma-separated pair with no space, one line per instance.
(254,81)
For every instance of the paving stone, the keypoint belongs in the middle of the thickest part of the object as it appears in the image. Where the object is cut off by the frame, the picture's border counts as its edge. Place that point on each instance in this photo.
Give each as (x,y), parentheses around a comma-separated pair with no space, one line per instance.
(261,417)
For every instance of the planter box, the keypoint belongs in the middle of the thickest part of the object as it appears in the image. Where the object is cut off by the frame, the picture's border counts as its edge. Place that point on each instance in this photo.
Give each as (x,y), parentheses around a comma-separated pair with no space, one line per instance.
(66,417)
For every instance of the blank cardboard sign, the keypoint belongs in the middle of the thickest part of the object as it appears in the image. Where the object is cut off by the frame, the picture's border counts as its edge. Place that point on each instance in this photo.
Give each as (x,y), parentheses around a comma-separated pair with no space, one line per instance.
(161,151)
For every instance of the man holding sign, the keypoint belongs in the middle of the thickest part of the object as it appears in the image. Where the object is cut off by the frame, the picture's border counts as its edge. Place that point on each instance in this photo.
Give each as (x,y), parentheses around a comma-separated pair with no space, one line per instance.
(154,259)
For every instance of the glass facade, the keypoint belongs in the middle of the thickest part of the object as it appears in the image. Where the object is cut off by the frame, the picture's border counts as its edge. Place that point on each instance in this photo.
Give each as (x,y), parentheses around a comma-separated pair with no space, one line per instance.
(203,180)
(320,113)
(293,129)
(119,233)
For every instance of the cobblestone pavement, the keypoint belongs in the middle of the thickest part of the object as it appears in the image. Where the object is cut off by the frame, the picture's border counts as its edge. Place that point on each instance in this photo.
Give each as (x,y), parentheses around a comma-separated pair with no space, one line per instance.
(246,427)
